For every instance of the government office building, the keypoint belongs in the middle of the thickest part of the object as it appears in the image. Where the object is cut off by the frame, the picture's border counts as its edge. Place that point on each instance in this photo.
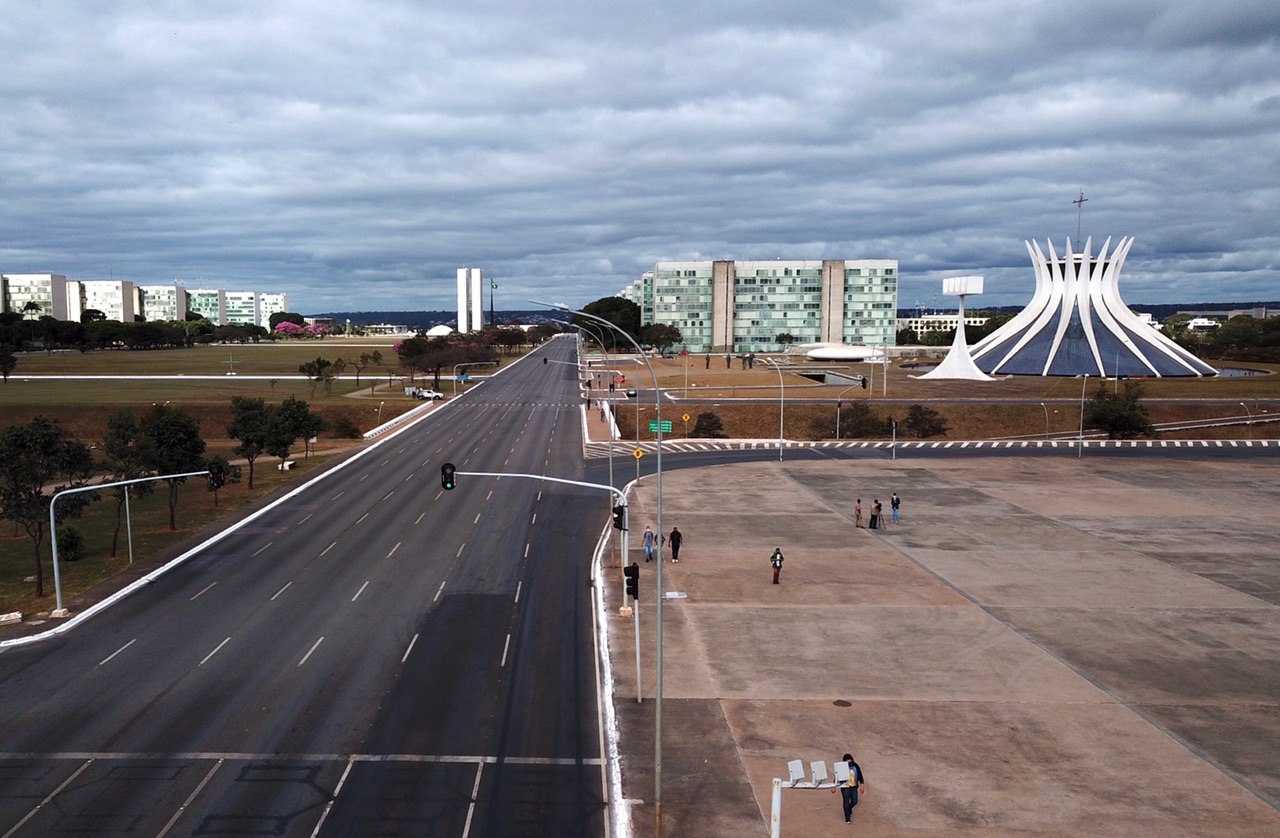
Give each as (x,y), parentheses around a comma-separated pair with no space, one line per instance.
(743,306)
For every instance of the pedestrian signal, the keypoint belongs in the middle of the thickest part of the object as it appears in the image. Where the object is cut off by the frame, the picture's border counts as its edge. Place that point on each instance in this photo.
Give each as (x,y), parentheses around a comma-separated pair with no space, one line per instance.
(619,517)
(632,572)
(446,475)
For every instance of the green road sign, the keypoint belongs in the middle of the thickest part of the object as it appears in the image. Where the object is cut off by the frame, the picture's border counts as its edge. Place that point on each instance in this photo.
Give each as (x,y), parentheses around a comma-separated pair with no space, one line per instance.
(653,426)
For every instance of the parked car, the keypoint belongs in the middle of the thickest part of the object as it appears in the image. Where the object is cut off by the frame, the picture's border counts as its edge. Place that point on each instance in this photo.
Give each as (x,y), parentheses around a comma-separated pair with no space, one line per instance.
(423,393)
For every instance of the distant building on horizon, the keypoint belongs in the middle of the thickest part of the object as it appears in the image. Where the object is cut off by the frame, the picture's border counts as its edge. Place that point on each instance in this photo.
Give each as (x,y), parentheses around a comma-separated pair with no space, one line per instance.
(162,302)
(34,295)
(470,300)
(115,298)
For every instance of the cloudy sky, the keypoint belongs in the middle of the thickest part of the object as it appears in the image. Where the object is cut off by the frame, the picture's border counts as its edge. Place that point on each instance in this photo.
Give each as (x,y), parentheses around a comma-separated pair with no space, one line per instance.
(353,154)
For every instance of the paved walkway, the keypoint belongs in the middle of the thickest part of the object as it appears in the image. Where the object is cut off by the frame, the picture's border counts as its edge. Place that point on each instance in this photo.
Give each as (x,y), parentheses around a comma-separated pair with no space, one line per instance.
(1043,646)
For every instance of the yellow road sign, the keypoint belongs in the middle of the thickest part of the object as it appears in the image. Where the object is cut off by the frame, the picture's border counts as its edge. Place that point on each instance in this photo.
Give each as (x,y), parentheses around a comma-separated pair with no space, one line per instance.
(685,417)
(637,453)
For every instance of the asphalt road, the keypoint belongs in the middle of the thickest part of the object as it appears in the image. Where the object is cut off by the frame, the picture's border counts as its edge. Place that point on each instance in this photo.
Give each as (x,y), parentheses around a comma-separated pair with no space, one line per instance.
(372,657)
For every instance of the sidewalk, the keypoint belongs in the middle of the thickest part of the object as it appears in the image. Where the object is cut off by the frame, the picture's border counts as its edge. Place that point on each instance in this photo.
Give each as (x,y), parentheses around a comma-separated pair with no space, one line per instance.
(1041,647)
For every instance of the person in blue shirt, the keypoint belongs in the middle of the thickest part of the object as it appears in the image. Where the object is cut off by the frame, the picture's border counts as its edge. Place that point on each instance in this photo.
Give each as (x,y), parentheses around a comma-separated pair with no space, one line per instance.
(650,544)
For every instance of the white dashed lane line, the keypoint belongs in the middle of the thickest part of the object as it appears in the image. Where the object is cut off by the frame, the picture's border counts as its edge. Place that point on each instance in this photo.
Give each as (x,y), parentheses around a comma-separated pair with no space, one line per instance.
(117,651)
(394,549)
(214,652)
(362,517)
(330,547)
(359,592)
(263,547)
(410,649)
(419,520)
(438,593)
(282,590)
(461,547)
(477,520)
(308,518)
(314,646)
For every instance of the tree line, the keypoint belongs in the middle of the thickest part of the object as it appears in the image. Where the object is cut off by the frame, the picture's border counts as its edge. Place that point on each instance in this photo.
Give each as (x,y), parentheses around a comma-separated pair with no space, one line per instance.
(41,458)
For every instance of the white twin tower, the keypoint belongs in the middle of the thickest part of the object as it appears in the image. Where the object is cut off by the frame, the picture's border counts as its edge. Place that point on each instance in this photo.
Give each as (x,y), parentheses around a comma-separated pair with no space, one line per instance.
(470,300)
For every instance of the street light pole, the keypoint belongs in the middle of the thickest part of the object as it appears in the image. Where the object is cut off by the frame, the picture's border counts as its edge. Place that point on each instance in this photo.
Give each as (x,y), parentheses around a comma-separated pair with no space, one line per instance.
(1083,385)
(1250,412)
(839,404)
(782,402)
(657,728)
(1046,419)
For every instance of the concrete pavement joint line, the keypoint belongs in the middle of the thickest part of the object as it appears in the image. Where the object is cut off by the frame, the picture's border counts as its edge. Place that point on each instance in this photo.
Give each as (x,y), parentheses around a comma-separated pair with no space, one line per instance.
(260,549)
(394,549)
(46,801)
(191,797)
(202,590)
(471,809)
(332,798)
(331,546)
(314,646)
(438,593)
(359,592)
(214,652)
(505,647)
(279,592)
(117,651)
(410,649)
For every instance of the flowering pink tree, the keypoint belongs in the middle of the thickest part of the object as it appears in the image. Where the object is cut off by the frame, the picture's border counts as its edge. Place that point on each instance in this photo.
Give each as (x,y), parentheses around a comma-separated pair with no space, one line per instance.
(316,330)
(285,329)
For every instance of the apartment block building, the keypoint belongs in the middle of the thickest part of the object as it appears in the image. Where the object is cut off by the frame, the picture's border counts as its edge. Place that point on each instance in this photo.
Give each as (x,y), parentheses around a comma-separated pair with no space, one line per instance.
(209,303)
(115,298)
(242,308)
(742,306)
(162,302)
(34,295)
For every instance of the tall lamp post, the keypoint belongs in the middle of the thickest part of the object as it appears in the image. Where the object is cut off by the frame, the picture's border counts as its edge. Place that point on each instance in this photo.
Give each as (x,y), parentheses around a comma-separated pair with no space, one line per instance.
(839,404)
(657,727)
(1046,419)
(782,402)
(1250,412)
(1083,385)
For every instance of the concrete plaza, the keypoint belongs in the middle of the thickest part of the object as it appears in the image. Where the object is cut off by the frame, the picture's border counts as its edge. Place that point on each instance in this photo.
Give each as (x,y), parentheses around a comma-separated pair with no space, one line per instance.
(1044,646)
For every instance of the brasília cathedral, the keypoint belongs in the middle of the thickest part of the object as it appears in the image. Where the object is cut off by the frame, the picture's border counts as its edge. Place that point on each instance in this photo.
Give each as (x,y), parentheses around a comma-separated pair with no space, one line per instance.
(1076,324)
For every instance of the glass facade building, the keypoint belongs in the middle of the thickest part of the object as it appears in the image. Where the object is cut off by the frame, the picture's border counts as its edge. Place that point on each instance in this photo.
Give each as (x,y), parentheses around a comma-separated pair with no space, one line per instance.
(744,306)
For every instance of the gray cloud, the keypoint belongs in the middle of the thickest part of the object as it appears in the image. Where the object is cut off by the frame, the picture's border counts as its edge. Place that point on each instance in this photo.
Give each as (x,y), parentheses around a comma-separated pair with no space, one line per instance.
(353,153)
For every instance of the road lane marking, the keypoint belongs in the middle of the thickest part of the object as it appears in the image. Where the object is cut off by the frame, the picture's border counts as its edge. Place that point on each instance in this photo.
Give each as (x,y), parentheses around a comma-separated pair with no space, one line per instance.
(526,550)
(330,547)
(505,646)
(410,649)
(388,494)
(244,756)
(535,519)
(539,495)
(420,517)
(394,549)
(308,518)
(471,810)
(315,646)
(461,547)
(54,794)
(206,587)
(279,592)
(340,494)
(384,462)
(362,517)
(518,584)
(504,462)
(263,547)
(438,593)
(438,494)
(214,652)
(191,797)
(490,495)
(362,479)
(410,477)
(477,520)
(359,592)
(117,651)
(333,798)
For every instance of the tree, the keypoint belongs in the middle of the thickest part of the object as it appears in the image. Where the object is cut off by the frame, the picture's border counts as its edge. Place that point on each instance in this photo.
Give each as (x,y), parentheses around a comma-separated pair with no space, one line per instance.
(431,355)
(661,336)
(709,426)
(543,331)
(923,422)
(857,421)
(92,315)
(124,461)
(249,426)
(285,317)
(32,457)
(318,370)
(287,329)
(785,338)
(358,364)
(8,361)
(619,311)
(221,472)
(171,444)
(1119,414)
(302,422)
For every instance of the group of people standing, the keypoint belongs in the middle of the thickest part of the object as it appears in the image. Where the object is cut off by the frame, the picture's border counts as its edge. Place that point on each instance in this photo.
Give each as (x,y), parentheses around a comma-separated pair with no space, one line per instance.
(877,512)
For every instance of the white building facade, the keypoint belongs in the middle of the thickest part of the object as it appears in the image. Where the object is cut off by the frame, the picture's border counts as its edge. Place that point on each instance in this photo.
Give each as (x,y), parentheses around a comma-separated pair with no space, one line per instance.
(209,303)
(242,308)
(35,295)
(470,300)
(269,304)
(115,298)
(163,302)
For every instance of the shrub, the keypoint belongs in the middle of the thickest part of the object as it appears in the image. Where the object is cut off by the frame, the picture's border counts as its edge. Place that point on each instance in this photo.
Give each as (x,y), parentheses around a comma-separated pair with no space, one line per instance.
(923,422)
(344,428)
(709,426)
(70,543)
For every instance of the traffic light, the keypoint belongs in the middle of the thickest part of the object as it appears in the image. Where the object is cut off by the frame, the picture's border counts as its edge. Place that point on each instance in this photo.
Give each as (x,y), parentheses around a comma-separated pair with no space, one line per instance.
(632,572)
(619,517)
(446,475)
(864,382)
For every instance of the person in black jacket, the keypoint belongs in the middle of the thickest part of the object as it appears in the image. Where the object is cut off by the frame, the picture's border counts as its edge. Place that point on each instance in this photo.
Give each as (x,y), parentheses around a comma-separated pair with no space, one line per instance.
(849,791)
(675,539)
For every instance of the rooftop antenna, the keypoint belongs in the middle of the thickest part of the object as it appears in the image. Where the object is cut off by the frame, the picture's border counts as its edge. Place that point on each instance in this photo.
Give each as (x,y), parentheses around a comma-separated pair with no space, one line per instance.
(1079,202)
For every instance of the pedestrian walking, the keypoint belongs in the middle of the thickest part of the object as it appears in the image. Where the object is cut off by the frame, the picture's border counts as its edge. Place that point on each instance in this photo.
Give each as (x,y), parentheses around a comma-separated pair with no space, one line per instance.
(850,789)
(894,503)
(875,514)
(776,561)
(650,544)
(857,513)
(676,538)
